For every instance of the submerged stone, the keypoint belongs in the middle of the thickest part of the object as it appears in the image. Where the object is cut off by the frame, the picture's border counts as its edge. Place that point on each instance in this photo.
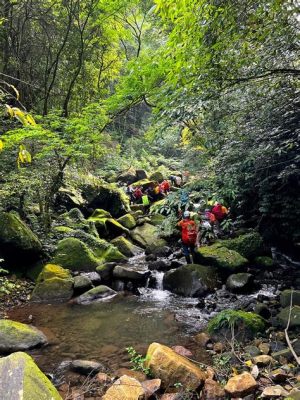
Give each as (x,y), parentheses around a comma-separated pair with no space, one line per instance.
(96,294)
(22,379)
(15,336)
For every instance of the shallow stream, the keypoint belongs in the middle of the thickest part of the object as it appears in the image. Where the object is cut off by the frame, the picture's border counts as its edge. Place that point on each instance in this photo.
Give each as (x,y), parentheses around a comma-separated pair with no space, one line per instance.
(102,331)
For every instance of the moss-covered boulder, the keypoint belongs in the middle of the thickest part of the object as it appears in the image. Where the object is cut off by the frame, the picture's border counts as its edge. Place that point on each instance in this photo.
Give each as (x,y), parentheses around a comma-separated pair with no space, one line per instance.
(191,280)
(147,235)
(75,220)
(15,336)
(221,257)
(96,294)
(157,219)
(69,197)
(54,283)
(128,221)
(106,270)
(17,241)
(102,249)
(108,197)
(108,227)
(285,297)
(74,254)
(157,176)
(249,245)
(283,317)
(21,379)
(245,324)
(263,262)
(100,213)
(126,247)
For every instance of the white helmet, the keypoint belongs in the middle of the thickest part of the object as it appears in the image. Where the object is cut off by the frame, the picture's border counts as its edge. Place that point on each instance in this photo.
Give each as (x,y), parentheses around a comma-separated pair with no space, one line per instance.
(186,214)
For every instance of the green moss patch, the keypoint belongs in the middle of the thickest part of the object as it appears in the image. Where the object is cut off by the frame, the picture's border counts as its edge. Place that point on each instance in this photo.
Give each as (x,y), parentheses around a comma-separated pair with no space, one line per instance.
(221,257)
(242,322)
(249,245)
(128,221)
(21,378)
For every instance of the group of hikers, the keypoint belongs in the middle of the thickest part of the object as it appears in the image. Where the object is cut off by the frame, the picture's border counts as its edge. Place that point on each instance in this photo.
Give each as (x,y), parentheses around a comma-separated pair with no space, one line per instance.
(154,192)
(196,225)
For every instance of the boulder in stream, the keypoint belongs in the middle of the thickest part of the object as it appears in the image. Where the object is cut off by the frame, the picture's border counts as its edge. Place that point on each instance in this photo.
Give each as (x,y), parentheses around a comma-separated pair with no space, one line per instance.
(191,280)
(130,272)
(249,245)
(170,367)
(240,282)
(15,336)
(221,257)
(283,317)
(22,379)
(98,293)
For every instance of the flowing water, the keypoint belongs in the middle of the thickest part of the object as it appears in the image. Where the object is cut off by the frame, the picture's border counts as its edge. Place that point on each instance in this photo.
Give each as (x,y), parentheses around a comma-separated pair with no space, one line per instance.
(102,331)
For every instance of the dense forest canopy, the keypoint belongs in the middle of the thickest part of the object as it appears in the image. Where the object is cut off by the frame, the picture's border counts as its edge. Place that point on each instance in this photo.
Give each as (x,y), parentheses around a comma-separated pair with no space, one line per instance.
(209,86)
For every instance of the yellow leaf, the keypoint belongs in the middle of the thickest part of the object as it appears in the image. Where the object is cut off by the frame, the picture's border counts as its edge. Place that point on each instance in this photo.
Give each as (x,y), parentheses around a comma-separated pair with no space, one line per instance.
(1,145)
(235,371)
(16,91)
(30,120)
(249,363)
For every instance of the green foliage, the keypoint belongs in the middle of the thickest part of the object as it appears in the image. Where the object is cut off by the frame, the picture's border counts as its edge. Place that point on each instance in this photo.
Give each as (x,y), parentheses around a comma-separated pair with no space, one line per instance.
(138,361)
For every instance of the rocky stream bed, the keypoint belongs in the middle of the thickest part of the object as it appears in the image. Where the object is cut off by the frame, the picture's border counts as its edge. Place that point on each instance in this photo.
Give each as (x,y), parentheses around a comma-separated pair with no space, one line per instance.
(112,294)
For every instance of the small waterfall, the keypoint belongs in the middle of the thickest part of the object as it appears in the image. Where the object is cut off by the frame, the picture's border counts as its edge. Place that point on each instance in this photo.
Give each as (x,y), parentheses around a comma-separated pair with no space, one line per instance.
(159,276)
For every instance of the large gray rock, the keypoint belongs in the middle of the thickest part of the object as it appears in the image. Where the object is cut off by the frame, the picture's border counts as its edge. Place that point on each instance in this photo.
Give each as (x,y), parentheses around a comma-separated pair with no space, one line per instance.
(191,280)
(98,293)
(239,282)
(82,284)
(283,317)
(129,272)
(15,336)
(21,379)
(285,297)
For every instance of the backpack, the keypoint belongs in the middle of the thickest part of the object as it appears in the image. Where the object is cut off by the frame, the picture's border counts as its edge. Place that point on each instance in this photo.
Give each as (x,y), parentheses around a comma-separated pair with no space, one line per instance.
(189,232)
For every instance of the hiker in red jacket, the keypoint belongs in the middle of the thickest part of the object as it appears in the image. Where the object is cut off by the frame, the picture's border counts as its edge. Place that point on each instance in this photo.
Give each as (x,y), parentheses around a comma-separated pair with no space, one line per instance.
(189,234)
